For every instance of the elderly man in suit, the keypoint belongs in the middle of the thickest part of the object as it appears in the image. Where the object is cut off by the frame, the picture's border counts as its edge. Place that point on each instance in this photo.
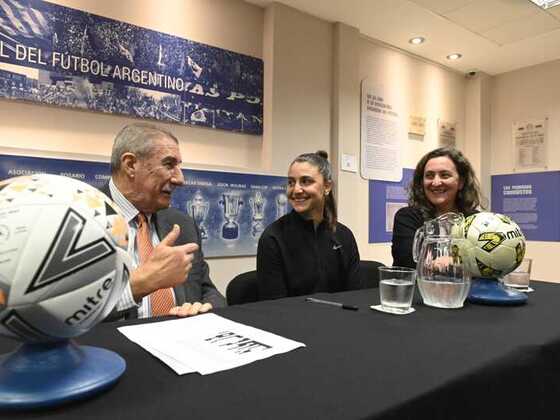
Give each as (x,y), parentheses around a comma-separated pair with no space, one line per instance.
(171,276)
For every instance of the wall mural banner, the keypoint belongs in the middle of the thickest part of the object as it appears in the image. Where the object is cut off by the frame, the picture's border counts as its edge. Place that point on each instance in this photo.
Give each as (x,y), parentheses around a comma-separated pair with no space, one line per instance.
(230,209)
(60,56)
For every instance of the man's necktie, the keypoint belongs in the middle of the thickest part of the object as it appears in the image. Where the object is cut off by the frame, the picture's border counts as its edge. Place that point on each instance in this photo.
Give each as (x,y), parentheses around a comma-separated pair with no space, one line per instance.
(162,299)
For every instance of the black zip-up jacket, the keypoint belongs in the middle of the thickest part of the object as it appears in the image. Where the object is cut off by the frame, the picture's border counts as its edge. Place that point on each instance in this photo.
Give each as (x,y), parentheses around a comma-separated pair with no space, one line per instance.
(294,258)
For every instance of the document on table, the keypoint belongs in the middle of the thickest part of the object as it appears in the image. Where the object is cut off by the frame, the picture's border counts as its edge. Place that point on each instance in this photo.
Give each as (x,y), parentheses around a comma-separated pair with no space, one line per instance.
(206,343)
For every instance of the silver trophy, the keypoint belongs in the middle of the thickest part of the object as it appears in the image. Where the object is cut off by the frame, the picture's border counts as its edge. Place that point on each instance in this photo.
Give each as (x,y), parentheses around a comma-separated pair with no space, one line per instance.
(198,209)
(230,202)
(281,205)
(257,206)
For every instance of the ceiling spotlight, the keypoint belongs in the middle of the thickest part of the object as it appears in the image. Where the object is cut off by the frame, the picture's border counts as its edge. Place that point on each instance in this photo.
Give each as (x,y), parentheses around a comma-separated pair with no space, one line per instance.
(454,56)
(417,40)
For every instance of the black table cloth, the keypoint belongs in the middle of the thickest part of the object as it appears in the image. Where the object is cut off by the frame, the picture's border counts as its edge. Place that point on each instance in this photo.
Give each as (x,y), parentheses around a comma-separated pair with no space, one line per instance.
(477,362)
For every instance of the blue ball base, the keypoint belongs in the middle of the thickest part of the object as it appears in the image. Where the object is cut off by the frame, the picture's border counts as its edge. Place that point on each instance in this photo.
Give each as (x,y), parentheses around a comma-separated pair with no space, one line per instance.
(49,374)
(493,292)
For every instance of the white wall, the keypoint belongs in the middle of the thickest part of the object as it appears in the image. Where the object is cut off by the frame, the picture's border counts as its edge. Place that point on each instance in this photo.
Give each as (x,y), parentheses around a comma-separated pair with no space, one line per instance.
(313,71)
(422,89)
(532,92)
(298,77)
(478,131)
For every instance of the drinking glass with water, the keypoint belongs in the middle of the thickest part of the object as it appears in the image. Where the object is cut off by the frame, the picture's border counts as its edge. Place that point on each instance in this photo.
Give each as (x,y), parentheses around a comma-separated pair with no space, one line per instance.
(396,288)
(520,277)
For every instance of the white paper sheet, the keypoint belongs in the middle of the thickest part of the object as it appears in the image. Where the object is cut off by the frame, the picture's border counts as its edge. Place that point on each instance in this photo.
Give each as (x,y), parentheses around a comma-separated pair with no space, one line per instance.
(206,343)
(179,367)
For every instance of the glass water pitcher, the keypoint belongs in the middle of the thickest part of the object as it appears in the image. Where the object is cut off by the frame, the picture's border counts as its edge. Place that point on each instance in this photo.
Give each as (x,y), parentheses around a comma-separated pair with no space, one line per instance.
(447,224)
(442,276)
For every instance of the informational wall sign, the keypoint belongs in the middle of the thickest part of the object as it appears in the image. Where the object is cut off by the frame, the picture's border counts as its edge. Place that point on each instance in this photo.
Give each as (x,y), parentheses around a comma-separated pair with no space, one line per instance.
(60,56)
(530,143)
(532,200)
(230,209)
(385,199)
(382,134)
(447,134)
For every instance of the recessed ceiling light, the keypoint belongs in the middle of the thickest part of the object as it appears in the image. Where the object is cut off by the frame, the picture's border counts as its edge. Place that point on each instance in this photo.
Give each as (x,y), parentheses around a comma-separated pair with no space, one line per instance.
(546,4)
(454,56)
(417,40)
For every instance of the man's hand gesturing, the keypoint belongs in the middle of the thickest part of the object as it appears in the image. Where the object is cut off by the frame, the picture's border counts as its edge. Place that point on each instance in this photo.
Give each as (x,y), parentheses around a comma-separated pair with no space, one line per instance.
(167,266)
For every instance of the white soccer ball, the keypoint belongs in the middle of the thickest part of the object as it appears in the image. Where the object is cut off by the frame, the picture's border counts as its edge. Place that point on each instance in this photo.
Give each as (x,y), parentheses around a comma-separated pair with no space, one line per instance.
(63,257)
(495,245)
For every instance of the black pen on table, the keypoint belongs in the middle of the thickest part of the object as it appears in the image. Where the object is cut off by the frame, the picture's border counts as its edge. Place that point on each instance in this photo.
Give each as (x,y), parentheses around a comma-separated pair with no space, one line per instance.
(328,302)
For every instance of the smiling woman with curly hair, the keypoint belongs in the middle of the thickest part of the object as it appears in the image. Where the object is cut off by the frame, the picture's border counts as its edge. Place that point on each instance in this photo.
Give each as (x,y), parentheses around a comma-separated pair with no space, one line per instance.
(443,181)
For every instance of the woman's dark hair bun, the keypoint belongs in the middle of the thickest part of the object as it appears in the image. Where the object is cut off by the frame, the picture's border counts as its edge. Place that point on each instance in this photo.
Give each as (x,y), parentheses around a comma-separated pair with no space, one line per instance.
(323,154)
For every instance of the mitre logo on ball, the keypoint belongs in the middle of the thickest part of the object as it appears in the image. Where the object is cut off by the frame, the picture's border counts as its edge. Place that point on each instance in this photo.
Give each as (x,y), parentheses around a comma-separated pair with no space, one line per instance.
(63,257)
(494,243)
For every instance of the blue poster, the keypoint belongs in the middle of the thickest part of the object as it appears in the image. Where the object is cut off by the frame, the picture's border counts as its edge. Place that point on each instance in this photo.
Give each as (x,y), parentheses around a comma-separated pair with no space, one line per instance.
(230,209)
(532,200)
(60,56)
(385,199)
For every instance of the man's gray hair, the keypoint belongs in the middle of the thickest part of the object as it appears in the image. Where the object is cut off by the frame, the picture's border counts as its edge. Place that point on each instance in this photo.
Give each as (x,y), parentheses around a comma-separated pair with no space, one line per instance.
(136,138)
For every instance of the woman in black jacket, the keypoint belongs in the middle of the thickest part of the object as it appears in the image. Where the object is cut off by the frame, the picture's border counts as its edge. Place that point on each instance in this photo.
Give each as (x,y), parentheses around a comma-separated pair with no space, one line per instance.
(307,250)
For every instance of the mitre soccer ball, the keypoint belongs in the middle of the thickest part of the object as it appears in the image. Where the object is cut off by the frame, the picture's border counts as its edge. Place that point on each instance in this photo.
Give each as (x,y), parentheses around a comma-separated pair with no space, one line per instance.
(494,244)
(63,259)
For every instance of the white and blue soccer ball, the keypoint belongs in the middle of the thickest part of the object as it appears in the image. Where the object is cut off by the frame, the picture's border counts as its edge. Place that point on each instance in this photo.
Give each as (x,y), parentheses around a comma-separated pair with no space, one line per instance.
(63,257)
